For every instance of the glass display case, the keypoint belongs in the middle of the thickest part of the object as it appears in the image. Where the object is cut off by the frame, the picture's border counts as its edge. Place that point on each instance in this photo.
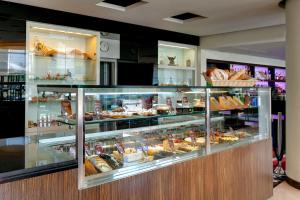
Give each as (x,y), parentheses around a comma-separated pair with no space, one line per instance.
(123,131)
(58,55)
(177,64)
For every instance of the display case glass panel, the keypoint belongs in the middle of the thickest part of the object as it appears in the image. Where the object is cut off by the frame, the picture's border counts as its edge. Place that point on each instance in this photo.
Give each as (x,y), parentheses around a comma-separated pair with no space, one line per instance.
(55,141)
(139,129)
(123,131)
(245,112)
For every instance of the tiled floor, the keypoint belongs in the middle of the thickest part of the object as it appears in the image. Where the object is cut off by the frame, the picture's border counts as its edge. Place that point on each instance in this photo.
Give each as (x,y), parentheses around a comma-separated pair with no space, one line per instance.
(285,192)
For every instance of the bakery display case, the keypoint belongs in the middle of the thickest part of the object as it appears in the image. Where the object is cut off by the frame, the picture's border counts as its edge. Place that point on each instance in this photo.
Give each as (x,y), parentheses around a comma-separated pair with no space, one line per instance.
(177,64)
(116,132)
(245,113)
(58,55)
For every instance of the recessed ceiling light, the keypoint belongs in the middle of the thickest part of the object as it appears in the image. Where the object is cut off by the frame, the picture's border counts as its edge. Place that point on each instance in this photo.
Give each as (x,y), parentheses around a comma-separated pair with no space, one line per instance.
(184,17)
(120,5)
(170,19)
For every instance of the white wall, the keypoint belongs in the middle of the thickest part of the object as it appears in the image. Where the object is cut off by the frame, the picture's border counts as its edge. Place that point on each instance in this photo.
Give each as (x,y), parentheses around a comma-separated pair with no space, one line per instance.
(246,37)
(205,54)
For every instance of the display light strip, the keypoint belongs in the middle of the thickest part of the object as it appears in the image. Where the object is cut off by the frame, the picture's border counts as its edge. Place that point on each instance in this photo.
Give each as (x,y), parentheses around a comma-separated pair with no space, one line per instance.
(62,31)
(174,46)
(126,93)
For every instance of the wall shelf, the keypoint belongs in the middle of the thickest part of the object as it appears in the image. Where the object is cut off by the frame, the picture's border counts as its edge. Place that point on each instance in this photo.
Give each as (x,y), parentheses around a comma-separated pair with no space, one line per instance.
(176,67)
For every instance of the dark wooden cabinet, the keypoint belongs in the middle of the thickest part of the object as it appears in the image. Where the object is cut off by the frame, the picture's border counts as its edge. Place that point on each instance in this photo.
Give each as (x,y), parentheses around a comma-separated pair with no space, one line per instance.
(139,55)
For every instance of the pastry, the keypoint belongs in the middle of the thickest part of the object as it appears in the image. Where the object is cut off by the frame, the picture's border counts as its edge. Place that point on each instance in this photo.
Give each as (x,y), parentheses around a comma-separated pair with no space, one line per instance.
(187,147)
(89,168)
(117,155)
(42,50)
(118,116)
(214,104)
(130,150)
(132,155)
(245,77)
(168,145)
(66,108)
(100,164)
(241,134)
(233,102)
(237,100)
(200,140)
(88,56)
(88,117)
(111,161)
(219,74)
(199,103)
(119,109)
(228,138)
(225,104)
(237,75)
(163,110)
(76,52)
(154,150)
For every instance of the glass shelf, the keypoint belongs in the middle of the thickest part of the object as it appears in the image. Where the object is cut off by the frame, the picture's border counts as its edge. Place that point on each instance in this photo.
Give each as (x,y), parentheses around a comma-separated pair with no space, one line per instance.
(66,58)
(73,121)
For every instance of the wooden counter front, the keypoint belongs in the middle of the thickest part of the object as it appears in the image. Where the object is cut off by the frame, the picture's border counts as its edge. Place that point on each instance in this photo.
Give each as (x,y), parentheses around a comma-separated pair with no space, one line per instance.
(242,173)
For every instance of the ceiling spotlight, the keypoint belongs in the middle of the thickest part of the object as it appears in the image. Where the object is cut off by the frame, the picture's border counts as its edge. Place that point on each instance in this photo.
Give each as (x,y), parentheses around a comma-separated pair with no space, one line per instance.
(120,5)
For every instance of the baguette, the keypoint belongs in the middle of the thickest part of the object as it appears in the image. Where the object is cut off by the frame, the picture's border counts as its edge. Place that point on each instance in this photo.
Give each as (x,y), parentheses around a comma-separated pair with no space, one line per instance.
(237,75)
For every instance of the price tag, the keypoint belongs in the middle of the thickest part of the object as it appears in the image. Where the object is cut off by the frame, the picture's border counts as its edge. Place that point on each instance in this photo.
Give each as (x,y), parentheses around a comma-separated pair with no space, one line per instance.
(87,149)
(193,138)
(145,148)
(171,142)
(97,106)
(120,147)
(99,149)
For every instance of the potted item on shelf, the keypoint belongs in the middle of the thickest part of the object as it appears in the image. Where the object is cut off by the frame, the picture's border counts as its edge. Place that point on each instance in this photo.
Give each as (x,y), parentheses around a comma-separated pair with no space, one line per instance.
(188,63)
(219,77)
(172,61)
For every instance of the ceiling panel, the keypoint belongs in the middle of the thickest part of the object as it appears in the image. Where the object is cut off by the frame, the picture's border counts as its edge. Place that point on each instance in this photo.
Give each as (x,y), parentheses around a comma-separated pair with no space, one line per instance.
(222,16)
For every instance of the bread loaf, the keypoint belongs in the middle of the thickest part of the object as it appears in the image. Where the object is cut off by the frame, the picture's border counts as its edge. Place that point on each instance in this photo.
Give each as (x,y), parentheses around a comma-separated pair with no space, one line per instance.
(237,75)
